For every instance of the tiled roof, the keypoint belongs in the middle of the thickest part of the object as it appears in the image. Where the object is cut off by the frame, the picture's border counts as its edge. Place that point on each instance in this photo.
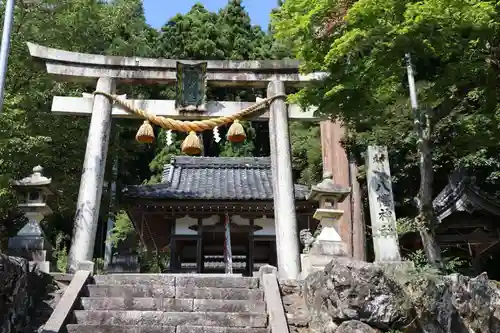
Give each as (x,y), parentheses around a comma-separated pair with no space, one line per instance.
(461,194)
(214,178)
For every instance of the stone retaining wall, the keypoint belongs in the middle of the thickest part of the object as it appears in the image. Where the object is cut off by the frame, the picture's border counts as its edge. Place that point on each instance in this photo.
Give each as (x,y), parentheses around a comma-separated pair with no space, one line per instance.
(297,315)
(14,300)
(27,298)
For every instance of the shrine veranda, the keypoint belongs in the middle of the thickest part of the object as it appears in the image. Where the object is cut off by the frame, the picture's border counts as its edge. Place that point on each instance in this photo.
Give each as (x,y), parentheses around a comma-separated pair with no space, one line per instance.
(280,211)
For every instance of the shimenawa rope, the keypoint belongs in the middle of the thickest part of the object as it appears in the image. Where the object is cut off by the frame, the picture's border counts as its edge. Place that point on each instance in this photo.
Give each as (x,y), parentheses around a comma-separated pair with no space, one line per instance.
(188,126)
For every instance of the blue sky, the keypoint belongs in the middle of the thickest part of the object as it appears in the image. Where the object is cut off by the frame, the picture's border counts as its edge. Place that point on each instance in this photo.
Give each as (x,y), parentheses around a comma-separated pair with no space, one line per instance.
(159,11)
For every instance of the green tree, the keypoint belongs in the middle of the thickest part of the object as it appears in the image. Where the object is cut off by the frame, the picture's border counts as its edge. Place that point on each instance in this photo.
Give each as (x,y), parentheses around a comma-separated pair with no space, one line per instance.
(203,35)
(241,40)
(362,46)
(130,35)
(307,160)
(31,135)
(194,35)
(230,35)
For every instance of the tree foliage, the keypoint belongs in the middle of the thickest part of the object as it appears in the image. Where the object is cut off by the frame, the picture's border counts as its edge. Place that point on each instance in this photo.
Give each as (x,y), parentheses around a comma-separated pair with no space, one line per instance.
(122,229)
(200,34)
(362,44)
(30,135)
(363,48)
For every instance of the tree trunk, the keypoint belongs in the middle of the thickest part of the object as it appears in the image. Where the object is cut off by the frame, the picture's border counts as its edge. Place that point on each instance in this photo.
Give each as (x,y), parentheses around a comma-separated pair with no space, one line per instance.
(426,218)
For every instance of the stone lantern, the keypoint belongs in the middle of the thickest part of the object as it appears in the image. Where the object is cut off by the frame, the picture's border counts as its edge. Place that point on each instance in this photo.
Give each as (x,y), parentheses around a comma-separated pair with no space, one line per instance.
(29,243)
(327,244)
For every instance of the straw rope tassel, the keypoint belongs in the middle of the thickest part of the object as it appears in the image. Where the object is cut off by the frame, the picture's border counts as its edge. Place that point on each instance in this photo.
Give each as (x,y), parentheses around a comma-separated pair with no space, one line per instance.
(145,134)
(191,144)
(236,132)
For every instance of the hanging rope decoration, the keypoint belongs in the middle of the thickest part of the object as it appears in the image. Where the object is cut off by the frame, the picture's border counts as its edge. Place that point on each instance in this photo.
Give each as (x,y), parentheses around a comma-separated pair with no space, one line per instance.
(216,134)
(191,144)
(169,140)
(145,134)
(236,132)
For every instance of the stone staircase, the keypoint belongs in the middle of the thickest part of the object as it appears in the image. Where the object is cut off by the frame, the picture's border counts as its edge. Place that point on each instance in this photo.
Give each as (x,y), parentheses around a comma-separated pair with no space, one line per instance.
(162,303)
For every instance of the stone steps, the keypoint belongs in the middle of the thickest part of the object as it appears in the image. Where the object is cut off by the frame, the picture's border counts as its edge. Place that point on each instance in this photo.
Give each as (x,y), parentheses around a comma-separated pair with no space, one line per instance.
(188,280)
(220,293)
(131,291)
(132,279)
(167,291)
(160,318)
(217,282)
(161,329)
(172,305)
(137,304)
(206,329)
(168,303)
(78,328)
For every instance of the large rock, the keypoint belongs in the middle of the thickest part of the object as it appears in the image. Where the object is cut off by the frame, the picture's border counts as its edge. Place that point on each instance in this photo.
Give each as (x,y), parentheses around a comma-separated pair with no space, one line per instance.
(44,293)
(495,301)
(354,290)
(14,299)
(432,303)
(354,326)
(349,292)
(472,300)
(455,304)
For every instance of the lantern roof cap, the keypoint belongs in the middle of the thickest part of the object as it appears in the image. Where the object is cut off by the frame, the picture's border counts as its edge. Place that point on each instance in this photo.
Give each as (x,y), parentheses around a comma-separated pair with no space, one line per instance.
(36,179)
(328,189)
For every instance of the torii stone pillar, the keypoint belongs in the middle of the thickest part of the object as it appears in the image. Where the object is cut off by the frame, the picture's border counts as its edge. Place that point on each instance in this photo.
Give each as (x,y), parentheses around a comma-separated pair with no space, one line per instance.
(285,218)
(92,181)
(274,170)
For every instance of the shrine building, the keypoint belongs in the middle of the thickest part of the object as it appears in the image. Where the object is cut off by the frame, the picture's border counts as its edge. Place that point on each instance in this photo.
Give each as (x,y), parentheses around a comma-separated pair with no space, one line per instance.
(468,224)
(200,200)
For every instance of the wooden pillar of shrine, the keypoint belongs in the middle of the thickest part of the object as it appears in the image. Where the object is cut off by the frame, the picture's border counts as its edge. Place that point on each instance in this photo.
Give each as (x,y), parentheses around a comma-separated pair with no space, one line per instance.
(336,161)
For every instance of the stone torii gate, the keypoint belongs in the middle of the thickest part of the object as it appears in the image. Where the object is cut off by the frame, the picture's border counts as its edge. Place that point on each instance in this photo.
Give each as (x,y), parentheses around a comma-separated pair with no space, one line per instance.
(108,70)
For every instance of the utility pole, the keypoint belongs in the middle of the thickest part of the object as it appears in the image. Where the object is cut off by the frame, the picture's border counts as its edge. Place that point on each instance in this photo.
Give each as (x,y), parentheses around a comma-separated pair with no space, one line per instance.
(411,83)
(4,49)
